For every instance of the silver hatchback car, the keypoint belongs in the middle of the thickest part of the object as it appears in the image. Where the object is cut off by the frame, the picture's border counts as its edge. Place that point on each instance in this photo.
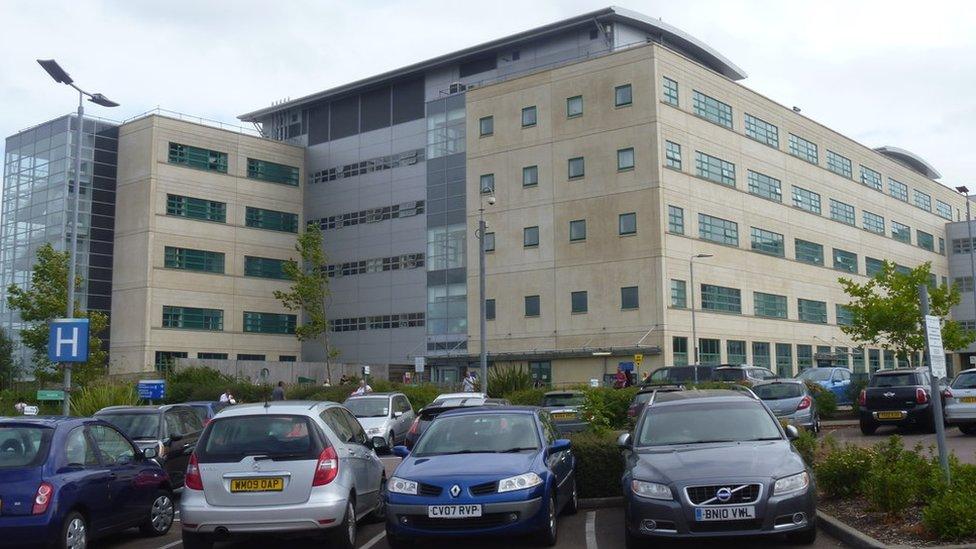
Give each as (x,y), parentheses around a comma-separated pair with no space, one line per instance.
(960,402)
(282,468)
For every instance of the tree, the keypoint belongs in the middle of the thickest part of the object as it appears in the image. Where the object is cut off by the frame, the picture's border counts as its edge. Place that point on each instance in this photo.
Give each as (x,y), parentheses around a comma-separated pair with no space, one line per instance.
(309,291)
(8,368)
(886,311)
(47,300)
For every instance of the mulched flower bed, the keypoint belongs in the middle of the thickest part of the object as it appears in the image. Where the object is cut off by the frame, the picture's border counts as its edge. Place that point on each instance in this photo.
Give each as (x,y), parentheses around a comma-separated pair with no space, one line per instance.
(907,530)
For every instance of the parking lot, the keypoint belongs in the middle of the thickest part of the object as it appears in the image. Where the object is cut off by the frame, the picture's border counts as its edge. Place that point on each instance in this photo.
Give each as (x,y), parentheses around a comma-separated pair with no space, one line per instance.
(964,446)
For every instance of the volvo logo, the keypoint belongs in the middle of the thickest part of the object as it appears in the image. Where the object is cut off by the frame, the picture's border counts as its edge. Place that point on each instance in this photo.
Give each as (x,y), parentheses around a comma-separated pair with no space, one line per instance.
(889,394)
(455,491)
(723,494)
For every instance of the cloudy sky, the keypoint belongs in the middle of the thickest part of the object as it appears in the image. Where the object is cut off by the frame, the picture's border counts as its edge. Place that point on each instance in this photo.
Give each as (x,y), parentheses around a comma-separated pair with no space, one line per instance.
(882,72)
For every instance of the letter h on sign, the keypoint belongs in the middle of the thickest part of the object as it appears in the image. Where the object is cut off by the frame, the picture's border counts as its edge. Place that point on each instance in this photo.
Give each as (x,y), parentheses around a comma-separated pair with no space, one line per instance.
(68,340)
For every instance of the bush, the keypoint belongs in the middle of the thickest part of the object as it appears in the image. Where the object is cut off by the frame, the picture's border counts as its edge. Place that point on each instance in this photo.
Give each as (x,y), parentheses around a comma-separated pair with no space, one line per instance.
(841,473)
(599,464)
(892,488)
(527,397)
(606,408)
(95,396)
(825,400)
(505,381)
(420,395)
(951,514)
(806,445)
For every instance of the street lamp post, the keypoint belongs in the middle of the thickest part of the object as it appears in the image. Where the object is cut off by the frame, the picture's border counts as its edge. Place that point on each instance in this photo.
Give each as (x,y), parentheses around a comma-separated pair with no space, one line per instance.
(482,313)
(694,329)
(62,77)
(972,260)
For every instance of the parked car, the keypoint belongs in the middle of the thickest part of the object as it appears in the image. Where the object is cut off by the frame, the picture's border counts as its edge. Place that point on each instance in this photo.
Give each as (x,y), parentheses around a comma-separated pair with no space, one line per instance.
(497,402)
(834,379)
(899,397)
(282,468)
(206,409)
(644,395)
(671,375)
(790,400)
(387,415)
(441,404)
(706,464)
(750,374)
(486,471)
(67,481)
(564,408)
(171,429)
(960,402)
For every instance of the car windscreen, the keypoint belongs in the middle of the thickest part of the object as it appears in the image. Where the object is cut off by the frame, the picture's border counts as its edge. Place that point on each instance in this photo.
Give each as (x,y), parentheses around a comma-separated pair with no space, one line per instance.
(906,379)
(478,433)
(816,374)
(707,422)
(137,426)
(456,402)
(965,381)
(368,407)
(23,446)
(730,375)
(567,399)
(279,437)
(778,391)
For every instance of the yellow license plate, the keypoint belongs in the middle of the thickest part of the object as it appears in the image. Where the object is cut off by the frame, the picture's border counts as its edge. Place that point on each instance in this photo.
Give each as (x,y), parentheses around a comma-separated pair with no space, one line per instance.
(889,415)
(564,416)
(968,399)
(272,484)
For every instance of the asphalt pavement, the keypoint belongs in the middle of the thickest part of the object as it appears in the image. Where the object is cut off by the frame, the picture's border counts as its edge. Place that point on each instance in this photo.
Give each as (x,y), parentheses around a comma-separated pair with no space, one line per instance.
(964,446)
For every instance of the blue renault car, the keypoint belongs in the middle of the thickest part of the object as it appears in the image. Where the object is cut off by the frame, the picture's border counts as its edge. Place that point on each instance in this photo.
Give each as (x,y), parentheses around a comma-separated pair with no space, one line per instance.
(65,481)
(837,380)
(482,471)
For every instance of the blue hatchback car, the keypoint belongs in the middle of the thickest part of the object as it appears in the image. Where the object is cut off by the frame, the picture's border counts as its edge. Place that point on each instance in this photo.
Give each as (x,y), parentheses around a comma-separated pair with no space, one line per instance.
(837,380)
(482,471)
(65,481)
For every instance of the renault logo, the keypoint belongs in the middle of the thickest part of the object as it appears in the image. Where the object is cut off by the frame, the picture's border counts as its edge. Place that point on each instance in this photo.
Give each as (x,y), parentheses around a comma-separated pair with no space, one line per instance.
(723,494)
(455,491)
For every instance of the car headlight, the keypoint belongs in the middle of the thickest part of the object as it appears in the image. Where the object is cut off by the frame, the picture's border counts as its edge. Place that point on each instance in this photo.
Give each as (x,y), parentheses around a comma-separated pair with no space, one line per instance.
(520,482)
(792,483)
(374,431)
(401,486)
(651,490)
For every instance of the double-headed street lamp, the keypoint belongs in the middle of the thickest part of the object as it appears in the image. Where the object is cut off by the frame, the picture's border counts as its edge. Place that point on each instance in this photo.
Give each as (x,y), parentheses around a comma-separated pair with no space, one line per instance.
(62,77)
(482,313)
(694,330)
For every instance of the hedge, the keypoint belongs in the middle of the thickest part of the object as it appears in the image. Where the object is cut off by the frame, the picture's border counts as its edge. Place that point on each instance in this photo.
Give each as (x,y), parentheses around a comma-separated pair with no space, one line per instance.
(599,463)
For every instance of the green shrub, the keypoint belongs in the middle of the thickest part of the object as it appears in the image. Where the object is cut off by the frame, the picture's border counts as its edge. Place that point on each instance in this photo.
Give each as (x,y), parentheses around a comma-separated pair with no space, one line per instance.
(825,401)
(951,515)
(599,464)
(606,408)
(505,381)
(893,488)
(841,473)
(200,375)
(806,445)
(95,396)
(527,397)
(420,395)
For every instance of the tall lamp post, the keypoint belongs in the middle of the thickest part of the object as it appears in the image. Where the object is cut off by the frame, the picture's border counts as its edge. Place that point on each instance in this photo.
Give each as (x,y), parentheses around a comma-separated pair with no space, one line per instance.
(62,77)
(972,261)
(694,328)
(482,313)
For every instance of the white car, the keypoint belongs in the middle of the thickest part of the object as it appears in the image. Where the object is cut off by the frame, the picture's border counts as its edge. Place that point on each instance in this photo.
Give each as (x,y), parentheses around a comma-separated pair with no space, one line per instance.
(387,415)
(960,402)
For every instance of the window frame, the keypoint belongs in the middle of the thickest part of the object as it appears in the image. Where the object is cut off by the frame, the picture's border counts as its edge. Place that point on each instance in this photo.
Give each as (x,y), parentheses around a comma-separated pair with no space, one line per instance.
(617,98)
(621,220)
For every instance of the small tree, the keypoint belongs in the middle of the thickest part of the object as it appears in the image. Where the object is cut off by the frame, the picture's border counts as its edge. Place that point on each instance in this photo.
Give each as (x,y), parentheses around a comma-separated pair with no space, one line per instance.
(310,291)
(886,311)
(8,368)
(47,300)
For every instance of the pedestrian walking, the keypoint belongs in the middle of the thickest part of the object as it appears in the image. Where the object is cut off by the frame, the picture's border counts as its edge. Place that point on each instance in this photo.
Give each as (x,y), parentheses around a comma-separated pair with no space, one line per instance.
(467,384)
(279,391)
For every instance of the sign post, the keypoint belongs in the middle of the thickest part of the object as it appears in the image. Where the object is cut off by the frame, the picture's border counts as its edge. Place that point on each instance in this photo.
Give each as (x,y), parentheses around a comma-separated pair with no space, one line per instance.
(68,343)
(937,371)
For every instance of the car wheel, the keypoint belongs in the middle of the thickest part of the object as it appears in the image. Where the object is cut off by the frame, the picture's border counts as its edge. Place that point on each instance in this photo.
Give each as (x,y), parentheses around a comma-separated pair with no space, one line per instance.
(74,532)
(803,537)
(868,427)
(161,515)
(573,504)
(343,536)
(192,540)
(379,514)
(967,429)
(547,535)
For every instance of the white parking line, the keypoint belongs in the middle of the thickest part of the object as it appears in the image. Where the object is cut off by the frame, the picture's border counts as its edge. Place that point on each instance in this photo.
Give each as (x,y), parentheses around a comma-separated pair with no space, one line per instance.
(369,543)
(168,545)
(591,530)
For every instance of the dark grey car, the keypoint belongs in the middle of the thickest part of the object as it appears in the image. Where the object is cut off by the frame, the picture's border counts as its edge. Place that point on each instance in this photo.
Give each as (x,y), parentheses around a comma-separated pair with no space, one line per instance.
(704,464)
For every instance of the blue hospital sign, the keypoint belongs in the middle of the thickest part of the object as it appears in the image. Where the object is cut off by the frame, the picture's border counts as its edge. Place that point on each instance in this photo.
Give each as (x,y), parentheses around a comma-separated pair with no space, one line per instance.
(68,340)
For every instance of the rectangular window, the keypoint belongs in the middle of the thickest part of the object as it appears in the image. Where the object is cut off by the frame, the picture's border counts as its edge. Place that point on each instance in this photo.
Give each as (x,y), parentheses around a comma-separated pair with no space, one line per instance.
(767,242)
(923,200)
(857,358)
(901,233)
(680,350)
(530,237)
(714,169)
(712,109)
(769,305)
(842,212)
(195,157)
(193,260)
(806,200)
(803,149)
(487,183)
(872,266)
(679,294)
(804,357)
(578,302)
(627,223)
(286,358)
(898,190)
(871,178)
(839,164)
(530,176)
(718,230)
(962,246)
(623,96)
(845,261)
(577,230)
(941,246)
(873,222)
(845,317)
(489,242)
(574,106)
(192,318)
(250,357)
(625,159)
(271,220)
(196,208)
(529,117)
(265,267)
(784,360)
(943,210)
(670,89)
(963,283)
(166,359)
(809,252)
(811,311)
(531,305)
(676,220)
(720,298)
(489,309)
(762,131)
(874,359)
(760,354)
(272,172)
(765,186)
(629,298)
(212,356)
(672,155)
(735,351)
(924,240)
(269,323)
(486,125)
(576,167)
(710,351)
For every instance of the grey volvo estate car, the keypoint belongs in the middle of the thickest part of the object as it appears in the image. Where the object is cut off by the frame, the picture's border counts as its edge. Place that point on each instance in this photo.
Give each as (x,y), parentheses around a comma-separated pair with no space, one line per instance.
(703,464)
(282,468)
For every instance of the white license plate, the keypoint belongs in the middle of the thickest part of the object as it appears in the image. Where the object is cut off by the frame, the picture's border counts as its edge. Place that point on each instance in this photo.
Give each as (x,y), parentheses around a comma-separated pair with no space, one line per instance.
(741,512)
(453,511)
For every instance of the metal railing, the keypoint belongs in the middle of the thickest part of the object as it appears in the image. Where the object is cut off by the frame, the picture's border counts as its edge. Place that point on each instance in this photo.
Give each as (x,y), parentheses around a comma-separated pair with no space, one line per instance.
(239,128)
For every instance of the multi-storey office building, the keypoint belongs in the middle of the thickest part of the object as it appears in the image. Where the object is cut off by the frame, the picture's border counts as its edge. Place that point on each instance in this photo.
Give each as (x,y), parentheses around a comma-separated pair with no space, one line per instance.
(962,262)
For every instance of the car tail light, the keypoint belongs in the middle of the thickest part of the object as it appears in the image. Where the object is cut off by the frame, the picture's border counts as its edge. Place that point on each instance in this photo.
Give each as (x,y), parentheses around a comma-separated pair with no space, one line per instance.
(327,468)
(862,399)
(415,426)
(42,498)
(921,396)
(192,480)
(805,403)
(947,393)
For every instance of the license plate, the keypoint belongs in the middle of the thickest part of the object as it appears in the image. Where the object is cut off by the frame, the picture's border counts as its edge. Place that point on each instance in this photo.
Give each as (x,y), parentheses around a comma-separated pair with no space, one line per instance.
(270,484)
(968,399)
(453,511)
(889,415)
(741,512)
(563,416)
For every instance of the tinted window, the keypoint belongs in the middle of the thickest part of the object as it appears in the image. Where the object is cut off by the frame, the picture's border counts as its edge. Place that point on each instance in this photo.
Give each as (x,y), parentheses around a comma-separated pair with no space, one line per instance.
(729,375)
(704,422)
(815,374)
(778,391)
(338,425)
(174,426)
(137,426)
(402,404)
(280,437)
(566,399)
(478,433)
(548,428)
(78,449)
(190,422)
(965,381)
(894,380)
(113,448)
(368,407)
(23,446)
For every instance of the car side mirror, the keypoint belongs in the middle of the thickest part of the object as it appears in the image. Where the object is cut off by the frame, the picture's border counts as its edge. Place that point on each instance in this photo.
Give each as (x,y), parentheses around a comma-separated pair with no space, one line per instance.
(397,414)
(560,445)
(150,453)
(623,441)
(381,446)
(401,451)
(792,433)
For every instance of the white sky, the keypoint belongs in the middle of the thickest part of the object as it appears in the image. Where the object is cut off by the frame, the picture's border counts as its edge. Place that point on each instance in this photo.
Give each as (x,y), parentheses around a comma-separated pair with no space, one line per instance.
(886,72)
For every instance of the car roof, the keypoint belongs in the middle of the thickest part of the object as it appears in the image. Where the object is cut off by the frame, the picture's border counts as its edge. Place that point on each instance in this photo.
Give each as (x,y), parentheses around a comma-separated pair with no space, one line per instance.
(201,402)
(568,392)
(780,380)
(368,395)
(699,395)
(296,407)
(481,410)
(471,394)
(148,409)
(968,371)
(739,367)
(899,371)
(41,421)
